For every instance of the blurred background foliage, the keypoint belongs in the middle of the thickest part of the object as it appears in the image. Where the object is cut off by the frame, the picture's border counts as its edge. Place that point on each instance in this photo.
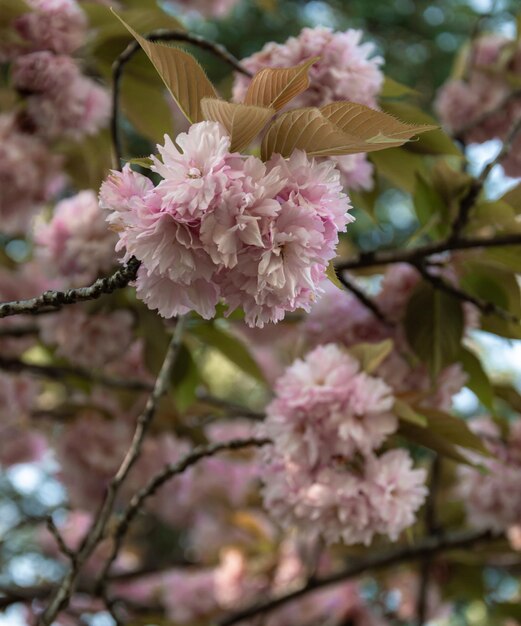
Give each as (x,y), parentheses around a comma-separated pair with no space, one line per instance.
(417,38)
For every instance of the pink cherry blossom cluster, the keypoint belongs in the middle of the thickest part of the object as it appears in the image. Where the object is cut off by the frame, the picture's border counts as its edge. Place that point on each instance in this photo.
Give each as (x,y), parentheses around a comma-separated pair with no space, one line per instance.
(76,244)
(323,473)
(479,106)
(59,100)
(492,498)
(347,70)
(29,175)
(56,25)
(223,226)
(19,443)
(92,341)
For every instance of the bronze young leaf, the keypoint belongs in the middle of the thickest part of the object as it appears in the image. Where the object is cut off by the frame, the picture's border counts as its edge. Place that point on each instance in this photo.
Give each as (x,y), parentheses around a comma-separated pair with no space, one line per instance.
(276,86)
(181,73)
(336,129)
(243,122)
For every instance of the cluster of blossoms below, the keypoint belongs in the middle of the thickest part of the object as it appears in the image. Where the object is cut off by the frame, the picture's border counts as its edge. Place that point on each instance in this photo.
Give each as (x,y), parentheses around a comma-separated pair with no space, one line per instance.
(346,70)
(492,498)
(224,226)
(323,473)
(481,105)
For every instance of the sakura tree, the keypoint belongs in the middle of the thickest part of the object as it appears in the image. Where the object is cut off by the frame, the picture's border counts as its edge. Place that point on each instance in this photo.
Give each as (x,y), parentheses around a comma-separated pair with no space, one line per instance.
(240,404)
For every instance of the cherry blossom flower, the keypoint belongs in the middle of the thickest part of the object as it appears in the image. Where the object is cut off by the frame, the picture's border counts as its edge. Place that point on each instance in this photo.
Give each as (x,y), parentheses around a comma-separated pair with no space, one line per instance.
(76,243)
(88,340)
(492,500)
(220,225)
(56,25)
(322,474)
(28,173)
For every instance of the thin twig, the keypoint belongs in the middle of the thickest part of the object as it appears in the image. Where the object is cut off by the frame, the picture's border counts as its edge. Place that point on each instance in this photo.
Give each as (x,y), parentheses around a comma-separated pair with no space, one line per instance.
(232,408)
(432,528)
(62,596)
(428,547)
(363,298)
(168,472)
(60,541)
(469,200)
(487,308)
(133,47)
(61,372)
(54,300)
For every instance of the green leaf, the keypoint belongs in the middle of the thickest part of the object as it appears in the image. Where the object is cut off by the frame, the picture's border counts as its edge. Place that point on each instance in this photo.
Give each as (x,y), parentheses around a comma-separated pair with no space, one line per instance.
(406,413)
(230,346)
(478,380)
(434,326)
(513,198)
(507,257)
(436,141)
(10,10)
(88,161)
(510,395)
(498,215)
(332,275)
(423,436)
(393,89)
(366,200)
(145,162)
(428,203)
(454,429)
(489,283)
(147,108)
(399,167)
(185,379)
(371,355)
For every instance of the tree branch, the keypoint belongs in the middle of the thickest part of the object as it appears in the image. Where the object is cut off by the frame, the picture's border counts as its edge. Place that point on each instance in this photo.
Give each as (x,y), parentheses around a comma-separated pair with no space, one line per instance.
(96,533)
(60,542)
(414,255)
(59,372)
(133,47)
(433,528)
(168,472)
(54,300)
(428,547)
(477,185)
(363,298)
(487,308)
